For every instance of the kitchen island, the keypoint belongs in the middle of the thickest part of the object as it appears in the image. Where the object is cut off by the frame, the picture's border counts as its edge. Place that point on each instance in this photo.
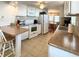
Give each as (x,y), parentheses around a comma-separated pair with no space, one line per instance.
(15,32)
(63,44)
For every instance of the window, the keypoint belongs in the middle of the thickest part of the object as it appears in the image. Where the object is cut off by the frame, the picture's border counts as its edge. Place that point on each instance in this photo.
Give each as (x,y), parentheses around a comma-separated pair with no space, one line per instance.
(51,18)
(73,20)
(54,19)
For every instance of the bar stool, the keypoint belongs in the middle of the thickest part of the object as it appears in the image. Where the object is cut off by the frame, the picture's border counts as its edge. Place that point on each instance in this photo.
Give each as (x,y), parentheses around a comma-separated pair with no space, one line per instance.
(6,46)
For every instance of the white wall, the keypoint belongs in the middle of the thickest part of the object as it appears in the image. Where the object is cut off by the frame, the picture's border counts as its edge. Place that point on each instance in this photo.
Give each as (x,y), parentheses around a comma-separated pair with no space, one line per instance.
(61,15)
(62,11)
(7,10)
(7,14)
(22,9)
(6,20)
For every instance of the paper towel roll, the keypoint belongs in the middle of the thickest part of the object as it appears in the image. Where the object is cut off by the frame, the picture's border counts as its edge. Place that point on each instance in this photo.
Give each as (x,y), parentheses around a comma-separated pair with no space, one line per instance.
(70,28)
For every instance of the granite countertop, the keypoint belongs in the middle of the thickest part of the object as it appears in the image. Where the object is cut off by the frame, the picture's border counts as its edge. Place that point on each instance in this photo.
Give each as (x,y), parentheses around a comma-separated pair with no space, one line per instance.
(13,30)
(66,41)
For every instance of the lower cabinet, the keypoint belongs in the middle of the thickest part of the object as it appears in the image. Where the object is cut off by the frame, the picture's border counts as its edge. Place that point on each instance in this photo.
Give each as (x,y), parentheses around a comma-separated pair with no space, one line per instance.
(24,35)
(56,52)
(30,34)
(33,35)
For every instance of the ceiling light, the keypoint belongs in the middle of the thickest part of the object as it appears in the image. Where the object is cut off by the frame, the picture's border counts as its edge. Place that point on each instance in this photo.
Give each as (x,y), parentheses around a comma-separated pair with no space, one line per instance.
(40,1)
(13,3)
(42,6)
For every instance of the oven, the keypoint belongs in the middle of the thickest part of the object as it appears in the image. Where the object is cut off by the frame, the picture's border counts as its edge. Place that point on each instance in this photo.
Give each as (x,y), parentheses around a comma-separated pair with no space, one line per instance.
(33,30)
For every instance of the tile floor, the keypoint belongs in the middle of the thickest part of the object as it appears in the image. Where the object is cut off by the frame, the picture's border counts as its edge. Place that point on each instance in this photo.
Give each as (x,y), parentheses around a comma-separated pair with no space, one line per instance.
(37,46)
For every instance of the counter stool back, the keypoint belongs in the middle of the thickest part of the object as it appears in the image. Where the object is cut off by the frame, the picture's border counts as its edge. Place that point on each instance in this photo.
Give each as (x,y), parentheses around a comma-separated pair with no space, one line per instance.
(6,46)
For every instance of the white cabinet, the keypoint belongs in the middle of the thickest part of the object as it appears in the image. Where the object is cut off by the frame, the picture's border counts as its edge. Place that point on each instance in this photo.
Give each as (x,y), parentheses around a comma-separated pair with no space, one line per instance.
(39,28)
(56,52)
(37,12)
(74,7)
(24,35)
(71,8)
(22,10)
(31,11)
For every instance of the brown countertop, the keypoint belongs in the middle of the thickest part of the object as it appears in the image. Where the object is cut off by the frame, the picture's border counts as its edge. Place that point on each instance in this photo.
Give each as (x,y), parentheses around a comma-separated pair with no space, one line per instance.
(13,30)
(63,40)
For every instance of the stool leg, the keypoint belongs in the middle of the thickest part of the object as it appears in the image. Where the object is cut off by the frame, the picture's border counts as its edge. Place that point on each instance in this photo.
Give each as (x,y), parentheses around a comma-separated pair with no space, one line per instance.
(12,47)
(3,50)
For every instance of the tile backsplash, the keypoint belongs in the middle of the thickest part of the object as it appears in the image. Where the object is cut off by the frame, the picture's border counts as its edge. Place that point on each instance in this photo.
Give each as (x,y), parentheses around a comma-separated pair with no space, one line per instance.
(27,20)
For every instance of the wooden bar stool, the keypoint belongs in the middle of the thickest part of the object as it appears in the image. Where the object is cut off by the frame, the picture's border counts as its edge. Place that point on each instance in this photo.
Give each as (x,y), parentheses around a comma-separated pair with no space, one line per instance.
(6,46)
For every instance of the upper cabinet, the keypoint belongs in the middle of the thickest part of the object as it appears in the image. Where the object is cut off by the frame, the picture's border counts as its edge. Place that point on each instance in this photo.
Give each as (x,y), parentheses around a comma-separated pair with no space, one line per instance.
(74,7)
(71,8)
(22,10)
(33,11)
(37,12)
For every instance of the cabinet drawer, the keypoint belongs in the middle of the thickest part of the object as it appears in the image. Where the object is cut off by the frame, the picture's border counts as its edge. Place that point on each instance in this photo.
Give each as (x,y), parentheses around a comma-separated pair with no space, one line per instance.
(24,35)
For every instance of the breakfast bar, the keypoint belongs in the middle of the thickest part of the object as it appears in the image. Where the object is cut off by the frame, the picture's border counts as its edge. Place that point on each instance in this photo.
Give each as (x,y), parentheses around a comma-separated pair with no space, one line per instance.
(66,42)
(15,32)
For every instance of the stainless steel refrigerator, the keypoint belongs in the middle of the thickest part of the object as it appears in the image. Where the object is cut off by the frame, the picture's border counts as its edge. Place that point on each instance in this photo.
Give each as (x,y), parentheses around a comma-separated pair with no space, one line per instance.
(43,20)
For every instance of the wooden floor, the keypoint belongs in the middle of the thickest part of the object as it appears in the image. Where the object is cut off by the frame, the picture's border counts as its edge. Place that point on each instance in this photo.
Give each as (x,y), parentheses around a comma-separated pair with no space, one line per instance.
(36,47)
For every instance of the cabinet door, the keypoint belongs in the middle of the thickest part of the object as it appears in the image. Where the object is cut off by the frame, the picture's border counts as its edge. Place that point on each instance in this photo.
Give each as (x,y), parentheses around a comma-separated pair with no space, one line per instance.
(37,13)
(74,7)
(56,52)
(22,10)
(31,11)
(24,35)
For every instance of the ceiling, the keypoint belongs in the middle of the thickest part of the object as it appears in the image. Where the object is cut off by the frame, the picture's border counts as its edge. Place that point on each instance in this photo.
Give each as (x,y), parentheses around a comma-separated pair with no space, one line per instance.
(49,4)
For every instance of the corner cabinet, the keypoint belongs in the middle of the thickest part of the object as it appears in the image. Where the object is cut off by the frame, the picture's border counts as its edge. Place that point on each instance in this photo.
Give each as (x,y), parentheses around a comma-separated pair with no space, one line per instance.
(71,8)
